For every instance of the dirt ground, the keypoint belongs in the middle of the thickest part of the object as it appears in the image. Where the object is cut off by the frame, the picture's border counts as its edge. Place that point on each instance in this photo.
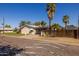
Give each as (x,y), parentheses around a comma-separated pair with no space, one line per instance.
(35,45)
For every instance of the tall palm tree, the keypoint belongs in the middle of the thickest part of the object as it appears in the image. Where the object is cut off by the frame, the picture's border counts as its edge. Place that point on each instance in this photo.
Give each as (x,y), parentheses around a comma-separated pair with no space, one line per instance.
(51,7)
(66,20)
(78,28)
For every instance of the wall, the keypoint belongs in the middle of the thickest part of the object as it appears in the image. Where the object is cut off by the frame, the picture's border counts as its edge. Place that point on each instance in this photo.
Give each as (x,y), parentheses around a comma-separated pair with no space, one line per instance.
(68,33)
(27,30)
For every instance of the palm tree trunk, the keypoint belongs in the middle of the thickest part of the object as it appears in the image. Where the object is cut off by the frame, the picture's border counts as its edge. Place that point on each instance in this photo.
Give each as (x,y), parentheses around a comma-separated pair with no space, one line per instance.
(78,29)
(65,28)
(3,25)
(50,27)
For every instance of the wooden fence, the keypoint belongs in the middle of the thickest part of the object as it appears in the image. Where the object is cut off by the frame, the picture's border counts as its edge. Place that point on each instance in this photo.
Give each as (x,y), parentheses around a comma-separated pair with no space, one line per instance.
(67,33)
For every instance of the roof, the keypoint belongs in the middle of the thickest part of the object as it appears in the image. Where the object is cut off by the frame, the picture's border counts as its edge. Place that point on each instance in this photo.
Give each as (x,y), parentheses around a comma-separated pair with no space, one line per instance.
(32,26)
(71,27)
(37,27)
(6,29)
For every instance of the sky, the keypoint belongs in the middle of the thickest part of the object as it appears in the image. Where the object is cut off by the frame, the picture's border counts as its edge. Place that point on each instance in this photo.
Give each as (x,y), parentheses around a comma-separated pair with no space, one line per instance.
(15,13)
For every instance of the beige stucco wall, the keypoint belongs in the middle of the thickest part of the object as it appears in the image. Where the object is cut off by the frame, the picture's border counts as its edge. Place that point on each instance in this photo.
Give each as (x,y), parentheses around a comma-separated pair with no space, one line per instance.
(26,31)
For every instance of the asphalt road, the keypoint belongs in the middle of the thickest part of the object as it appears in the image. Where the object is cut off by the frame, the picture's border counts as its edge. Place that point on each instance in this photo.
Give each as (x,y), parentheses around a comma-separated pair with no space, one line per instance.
(40,48)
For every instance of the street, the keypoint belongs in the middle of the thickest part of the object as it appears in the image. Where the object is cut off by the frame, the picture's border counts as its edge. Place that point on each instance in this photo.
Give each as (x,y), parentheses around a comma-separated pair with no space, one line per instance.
(34,47)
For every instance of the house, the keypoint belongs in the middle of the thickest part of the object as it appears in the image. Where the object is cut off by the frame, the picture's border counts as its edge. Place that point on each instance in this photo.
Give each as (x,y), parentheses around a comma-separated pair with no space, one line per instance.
(6,30)
(70,31)
(74,30)
(28,29)
(32,29)
(71,27)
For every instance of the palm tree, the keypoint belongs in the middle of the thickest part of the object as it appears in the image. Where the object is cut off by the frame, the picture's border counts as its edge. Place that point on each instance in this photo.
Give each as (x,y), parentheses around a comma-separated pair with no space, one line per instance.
(51,7)
(65,21)
(78,28)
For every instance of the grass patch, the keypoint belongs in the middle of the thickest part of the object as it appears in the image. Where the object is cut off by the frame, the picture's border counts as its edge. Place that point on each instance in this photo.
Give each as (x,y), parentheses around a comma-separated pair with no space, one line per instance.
(14,34)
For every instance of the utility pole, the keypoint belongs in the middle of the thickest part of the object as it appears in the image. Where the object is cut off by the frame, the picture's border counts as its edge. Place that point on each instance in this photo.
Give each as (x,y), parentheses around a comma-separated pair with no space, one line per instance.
(3,28)
(3,25)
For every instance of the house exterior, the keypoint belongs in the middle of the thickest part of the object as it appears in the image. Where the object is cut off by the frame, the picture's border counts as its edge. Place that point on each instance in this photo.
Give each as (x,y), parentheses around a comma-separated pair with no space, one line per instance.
(74,30)
(70,31)
(28,29)
(32,29)
(6,30)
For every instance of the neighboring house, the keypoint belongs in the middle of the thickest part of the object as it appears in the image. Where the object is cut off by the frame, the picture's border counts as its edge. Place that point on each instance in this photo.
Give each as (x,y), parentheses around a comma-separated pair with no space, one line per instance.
(6,30)
(73,30)
(71,27)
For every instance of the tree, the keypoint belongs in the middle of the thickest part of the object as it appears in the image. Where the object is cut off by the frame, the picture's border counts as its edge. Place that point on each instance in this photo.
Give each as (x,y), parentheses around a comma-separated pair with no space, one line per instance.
(66,20)
(22,23)
(40,23)
(37,23)
(51,7)
(7,26)
(28,22)
(43,23)
(15,29)
(55,26)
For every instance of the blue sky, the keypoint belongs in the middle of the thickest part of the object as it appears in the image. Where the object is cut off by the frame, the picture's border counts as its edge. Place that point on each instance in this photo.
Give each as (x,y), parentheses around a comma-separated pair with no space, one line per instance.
(14,13)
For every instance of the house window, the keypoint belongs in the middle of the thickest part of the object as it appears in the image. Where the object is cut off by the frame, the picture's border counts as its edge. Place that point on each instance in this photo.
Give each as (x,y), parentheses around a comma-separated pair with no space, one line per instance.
(30,31)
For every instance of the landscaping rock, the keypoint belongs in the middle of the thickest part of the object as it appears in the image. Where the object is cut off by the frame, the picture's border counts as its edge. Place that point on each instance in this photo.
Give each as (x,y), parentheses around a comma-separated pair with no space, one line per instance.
(9,50)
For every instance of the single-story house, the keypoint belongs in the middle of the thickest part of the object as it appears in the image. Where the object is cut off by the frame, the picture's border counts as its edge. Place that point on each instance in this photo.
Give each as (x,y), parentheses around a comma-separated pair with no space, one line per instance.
(70,31)
(6,30)
(31,29)
(71,27)
(74,30)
